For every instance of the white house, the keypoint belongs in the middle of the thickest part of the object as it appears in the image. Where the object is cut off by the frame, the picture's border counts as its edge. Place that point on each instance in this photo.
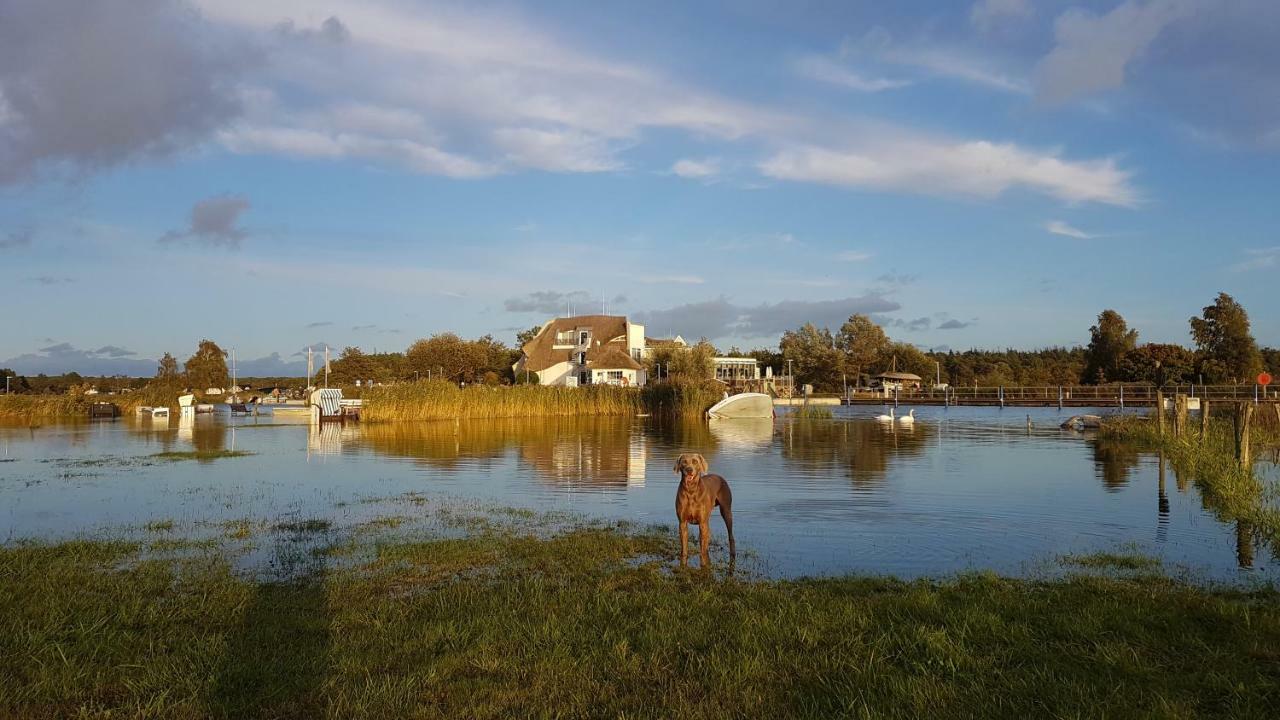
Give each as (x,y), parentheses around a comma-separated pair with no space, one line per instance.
(586,350)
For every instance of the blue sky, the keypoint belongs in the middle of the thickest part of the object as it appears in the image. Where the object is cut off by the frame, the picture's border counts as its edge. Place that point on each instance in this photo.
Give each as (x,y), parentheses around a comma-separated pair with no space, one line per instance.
(278,173)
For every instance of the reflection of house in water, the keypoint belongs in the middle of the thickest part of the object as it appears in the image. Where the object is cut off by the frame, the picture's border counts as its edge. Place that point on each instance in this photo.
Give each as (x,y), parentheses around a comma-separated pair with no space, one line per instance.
(637,450)
(329,438)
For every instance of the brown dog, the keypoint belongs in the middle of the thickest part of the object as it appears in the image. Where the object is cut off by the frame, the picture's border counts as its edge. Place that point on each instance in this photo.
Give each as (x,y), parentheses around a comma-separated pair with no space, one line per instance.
(698,495)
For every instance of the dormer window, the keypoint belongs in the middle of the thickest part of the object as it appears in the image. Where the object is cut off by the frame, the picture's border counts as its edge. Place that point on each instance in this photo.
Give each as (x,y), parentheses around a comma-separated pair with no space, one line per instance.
(583,336)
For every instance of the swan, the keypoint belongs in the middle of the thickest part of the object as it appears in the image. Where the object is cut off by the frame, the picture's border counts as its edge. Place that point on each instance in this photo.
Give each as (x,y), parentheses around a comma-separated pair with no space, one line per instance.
(886,418)
(909,418)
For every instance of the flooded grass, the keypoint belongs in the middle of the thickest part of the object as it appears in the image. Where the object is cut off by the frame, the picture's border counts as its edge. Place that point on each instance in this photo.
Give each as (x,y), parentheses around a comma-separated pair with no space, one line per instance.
(811,412)
(200,455)
(156,526)
(596,621)
(302,527)
(1113,561)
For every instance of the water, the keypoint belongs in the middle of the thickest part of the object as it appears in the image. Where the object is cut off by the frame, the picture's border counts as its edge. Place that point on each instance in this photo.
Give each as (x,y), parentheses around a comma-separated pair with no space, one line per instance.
(964,489)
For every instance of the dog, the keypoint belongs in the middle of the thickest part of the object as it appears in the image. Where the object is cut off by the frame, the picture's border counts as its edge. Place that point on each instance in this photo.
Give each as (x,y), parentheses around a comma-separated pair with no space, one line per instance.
(699,493)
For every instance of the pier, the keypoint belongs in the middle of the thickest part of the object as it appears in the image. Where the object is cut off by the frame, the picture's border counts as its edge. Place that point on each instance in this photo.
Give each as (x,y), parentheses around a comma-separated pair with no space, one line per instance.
(1065,396)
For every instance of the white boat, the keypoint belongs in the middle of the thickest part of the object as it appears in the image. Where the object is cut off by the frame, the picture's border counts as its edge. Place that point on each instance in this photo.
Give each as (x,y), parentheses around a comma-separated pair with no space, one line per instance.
(743,405)
(160,412)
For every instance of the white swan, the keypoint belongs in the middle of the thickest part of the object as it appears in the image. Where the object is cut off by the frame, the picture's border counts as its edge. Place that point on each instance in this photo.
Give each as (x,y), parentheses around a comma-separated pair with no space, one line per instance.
(886,418)
(909,418)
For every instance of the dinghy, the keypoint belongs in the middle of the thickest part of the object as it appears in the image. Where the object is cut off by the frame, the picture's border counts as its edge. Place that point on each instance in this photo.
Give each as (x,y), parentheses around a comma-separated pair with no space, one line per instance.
(743,405)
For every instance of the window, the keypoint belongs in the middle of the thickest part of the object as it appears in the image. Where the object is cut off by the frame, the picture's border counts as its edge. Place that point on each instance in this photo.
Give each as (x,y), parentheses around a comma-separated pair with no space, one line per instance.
(583,337)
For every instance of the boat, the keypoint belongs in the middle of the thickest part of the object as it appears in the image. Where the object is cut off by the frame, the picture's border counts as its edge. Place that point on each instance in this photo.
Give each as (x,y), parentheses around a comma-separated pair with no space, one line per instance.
(742,405)
(160,412)
(204,409)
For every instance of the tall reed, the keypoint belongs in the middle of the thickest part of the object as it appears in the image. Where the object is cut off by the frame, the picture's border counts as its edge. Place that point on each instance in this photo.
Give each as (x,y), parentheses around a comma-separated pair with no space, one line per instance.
(75,404)
(441,400)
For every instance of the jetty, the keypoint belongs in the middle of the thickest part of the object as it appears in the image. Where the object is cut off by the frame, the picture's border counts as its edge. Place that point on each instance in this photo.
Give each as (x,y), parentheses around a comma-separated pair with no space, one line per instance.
(1065,396)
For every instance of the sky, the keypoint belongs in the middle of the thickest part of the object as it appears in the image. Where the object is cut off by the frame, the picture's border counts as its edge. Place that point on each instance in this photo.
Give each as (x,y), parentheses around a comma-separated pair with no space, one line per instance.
(273,174)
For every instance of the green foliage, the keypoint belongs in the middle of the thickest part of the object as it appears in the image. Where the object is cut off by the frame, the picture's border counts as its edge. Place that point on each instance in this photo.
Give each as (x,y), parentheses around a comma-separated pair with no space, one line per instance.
(905,357)
(1109,341)
(1159,364)
(168,371)
(814,358)
(864,345)
(524,336)
(207,367)
(459,360)
(1228,352)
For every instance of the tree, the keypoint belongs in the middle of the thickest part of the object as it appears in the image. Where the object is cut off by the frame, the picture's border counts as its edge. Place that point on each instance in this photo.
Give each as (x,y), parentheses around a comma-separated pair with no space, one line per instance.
(1228,352)
(1109,340)
(524,336)
(693,363)
(208,367)
(168,369)
(457,359)
(352,365)
(863,343)
(1159,364)
(815,359)
(905,357)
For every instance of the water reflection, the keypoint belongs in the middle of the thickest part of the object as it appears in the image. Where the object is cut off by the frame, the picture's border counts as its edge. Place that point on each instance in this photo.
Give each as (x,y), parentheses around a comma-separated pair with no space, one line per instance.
(1114,461)
(861,449)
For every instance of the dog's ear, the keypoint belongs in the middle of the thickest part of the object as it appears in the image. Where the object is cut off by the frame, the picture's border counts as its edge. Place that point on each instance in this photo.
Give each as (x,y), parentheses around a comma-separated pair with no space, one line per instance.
(700,463)
(679,462)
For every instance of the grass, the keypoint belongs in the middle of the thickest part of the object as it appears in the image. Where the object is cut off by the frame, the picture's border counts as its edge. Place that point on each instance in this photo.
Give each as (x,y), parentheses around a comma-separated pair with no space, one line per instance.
(1230,491)
(199,455)
(439,400)
(1113,561)
(75,404)
(811,412)
(596,622)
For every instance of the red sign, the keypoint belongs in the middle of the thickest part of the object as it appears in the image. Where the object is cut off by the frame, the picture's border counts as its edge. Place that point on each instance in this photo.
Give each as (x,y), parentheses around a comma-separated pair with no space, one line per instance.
(1264,379)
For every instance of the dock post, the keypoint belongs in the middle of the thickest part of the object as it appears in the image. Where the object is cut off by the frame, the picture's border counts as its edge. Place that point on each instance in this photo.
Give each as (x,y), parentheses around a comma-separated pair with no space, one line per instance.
(895,397)
(1204,418)
(1243,418)
(1001,396)
(1179,414)
(1122,397)
(1059,398)
(1160,411)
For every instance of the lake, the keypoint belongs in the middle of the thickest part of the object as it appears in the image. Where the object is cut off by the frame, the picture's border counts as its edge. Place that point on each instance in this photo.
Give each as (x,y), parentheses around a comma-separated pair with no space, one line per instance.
(964,489)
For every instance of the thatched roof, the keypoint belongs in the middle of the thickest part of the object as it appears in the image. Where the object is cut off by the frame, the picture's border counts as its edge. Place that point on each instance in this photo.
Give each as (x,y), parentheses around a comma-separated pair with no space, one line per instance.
(611,358)
(540,353)
(897,376)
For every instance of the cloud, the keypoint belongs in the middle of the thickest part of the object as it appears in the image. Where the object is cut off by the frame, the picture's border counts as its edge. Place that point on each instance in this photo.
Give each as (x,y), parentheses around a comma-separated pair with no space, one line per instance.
(362,328)
(546,302)
(985,15)
(899,279)
(696,169)
(51,280)
(214,222)
(16,238)
(91,85)
(332,30)
(720,318)
(954,324)
(853,256)
(324,323)
(1058,227)
(64,357)
(569,151)
(1092,52)
(916,325)
(823,69)
(671,279)
(974,168)
(933,59)
(1258,259)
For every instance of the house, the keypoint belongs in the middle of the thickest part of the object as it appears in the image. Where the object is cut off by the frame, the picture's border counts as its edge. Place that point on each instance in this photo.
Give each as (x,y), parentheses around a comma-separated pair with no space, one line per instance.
(896,381)
(651,344)
(736,370)
(586,350)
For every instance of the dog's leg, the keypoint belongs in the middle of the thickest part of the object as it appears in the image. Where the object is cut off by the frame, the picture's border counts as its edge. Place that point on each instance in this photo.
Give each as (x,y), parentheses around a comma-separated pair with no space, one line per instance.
(704,540)
(684,543)
(727,514)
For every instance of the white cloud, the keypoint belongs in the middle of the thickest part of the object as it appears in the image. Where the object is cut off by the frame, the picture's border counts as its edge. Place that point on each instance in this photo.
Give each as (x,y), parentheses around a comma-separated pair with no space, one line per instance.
(1058,227)
(986,14)
(934,59)
(671,279)
(853,256)
(696,169)
(1093,52)
(976,168)
(826,70)
(556,150)
(1259,259)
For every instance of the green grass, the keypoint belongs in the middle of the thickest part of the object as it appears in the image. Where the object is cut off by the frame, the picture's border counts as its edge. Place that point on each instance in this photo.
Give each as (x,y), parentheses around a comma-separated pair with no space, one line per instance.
(160,526)
(200,455)
(1110,560)
(811,412)
(596,622)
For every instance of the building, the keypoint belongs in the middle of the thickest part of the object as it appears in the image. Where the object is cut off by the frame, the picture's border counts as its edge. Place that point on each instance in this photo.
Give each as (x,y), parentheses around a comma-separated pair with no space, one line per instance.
(889,381)
(586,350)
(736,370)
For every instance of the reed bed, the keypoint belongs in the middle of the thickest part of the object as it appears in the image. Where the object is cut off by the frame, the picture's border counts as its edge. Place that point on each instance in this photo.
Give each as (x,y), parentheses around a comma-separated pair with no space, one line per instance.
(441,400)
(75,404)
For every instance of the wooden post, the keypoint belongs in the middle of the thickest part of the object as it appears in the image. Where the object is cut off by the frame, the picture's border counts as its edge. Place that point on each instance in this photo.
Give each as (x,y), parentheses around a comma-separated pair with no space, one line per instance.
(1243,418)
(1160,411)
(1179,414)
(1204,418)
